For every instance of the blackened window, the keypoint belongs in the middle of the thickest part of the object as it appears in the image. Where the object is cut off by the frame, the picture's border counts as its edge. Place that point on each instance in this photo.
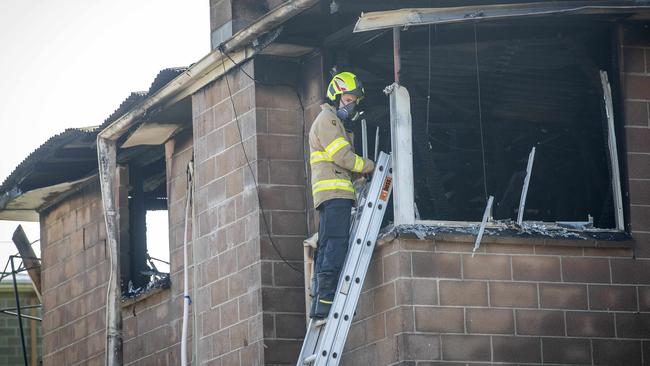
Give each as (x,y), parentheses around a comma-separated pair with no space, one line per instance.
(482,96)
(147,251)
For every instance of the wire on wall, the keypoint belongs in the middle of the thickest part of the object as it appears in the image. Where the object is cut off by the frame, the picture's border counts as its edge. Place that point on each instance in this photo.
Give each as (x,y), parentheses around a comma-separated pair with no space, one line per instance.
(304,127)
(428,84)
(250,167)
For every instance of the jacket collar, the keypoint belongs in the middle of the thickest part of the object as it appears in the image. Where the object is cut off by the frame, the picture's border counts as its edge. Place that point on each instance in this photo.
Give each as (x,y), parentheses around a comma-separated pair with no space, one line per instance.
(328,107)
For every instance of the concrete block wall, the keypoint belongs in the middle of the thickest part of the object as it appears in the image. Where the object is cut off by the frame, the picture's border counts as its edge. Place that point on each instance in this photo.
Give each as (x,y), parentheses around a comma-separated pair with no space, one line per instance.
(227,17)
(635,85)
(281,146)
(11,352)
(229,290)
(531,302)
(250,301)
(74,275)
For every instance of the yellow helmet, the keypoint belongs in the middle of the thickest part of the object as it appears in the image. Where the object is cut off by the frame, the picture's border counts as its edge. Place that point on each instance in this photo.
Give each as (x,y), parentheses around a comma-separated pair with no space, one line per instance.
(345,83)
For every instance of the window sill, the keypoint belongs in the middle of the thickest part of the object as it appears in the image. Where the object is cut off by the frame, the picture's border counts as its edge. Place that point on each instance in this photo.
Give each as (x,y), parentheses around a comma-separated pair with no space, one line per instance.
(154,288)
(130,301)
(531,233)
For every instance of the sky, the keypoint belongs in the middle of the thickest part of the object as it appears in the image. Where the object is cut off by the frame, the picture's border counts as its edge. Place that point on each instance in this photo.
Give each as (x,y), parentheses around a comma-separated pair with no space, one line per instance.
(70,63)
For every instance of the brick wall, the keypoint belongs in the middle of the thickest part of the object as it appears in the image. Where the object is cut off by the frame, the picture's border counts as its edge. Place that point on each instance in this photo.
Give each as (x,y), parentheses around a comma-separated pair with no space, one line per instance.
(227,17)
(74,275)
(635,83)
(11,352)
(250,302)
(521,301)
(229,294)
(281,144)
(525,303)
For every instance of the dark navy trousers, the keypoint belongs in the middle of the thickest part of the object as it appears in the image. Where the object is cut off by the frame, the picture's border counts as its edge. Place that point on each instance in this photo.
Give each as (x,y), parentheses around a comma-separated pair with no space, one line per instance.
(333,240)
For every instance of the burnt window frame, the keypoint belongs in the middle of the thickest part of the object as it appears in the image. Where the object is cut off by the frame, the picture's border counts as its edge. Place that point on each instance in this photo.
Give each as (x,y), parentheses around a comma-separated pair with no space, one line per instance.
(146,165)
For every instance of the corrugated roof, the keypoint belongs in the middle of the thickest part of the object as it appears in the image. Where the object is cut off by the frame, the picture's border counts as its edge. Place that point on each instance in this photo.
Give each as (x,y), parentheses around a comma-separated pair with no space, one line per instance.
(48,150)
(163,77)
(132,100)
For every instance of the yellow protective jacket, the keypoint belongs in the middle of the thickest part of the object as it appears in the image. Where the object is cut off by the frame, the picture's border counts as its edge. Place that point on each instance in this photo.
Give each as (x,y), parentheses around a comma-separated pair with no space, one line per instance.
(332,158)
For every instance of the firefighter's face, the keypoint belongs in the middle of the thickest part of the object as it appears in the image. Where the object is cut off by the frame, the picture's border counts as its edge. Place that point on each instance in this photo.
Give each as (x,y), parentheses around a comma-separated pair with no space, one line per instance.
(347,99)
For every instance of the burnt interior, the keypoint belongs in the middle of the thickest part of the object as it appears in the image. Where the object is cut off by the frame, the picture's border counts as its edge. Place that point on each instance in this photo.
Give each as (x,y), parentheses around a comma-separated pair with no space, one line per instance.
(539,86)
(147,192)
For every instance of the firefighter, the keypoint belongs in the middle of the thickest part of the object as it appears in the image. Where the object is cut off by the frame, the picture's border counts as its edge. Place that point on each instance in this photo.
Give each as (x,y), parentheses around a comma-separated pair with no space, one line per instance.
(333,162)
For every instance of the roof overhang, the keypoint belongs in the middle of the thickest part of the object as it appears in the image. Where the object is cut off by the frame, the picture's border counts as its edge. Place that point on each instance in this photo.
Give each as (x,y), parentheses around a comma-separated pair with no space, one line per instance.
(152,134)
(24,206)
(425,16)
(286,50)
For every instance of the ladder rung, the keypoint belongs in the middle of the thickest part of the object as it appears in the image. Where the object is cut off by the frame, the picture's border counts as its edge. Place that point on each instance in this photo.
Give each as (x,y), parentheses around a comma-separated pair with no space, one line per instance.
(309,359)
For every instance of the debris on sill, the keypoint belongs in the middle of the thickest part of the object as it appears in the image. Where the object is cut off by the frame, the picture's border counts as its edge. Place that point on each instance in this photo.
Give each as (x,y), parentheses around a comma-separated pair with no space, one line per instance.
(158,280)
(528,229)
(578,225)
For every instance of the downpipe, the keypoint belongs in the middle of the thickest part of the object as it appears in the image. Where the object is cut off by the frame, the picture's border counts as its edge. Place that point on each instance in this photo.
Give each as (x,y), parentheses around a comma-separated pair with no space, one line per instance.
(187,301)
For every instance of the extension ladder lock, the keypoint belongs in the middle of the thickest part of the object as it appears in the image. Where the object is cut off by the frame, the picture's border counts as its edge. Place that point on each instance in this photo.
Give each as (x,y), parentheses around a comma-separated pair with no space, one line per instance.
(325,339)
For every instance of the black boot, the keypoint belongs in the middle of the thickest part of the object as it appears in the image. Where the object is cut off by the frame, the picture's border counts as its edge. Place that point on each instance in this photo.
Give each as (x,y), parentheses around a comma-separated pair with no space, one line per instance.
(326,289)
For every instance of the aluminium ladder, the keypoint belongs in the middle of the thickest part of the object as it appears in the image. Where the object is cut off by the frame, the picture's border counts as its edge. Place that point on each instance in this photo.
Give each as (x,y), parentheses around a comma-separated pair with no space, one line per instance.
(325,339)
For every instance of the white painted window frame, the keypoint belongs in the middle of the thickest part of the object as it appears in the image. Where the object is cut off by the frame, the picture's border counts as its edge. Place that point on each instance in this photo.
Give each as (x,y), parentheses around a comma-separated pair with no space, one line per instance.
(401,141)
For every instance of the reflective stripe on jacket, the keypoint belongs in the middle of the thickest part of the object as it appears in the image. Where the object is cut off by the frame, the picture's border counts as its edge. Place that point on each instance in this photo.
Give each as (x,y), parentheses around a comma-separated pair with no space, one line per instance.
(332,158)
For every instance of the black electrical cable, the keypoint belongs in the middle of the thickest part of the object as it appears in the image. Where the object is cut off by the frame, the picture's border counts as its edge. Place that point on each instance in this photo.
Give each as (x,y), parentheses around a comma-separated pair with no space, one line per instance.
(302,108)
(428,85)
(304,122)
(480,112)
(250,167)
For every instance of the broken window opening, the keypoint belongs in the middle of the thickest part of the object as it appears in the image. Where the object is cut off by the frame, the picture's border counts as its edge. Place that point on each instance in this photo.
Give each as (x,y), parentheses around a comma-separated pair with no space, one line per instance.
(145,259)
(539,87)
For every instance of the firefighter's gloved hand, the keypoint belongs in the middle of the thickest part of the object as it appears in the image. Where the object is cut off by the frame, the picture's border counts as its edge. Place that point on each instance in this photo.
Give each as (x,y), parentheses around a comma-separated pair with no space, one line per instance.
(358,184)
(368,166)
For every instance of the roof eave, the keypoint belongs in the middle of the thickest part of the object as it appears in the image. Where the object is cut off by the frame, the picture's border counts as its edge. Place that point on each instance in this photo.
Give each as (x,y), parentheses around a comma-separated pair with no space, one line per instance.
(427,16)
(25,206)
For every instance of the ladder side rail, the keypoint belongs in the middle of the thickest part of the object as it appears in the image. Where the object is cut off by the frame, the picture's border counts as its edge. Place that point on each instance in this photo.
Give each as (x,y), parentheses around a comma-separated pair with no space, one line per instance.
(352,263)
(313,338)
(314,334)
(355,292)
(336,343)
(357,241)
(310,343)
